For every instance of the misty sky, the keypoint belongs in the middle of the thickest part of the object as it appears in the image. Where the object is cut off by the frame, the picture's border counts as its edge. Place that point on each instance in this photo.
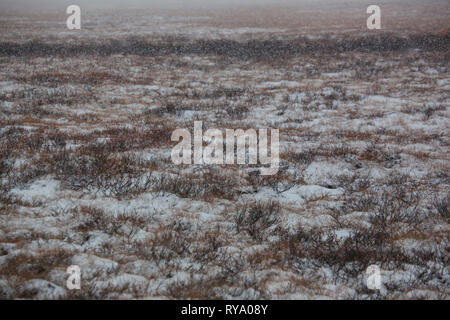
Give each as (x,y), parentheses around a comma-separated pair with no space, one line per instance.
(181,3)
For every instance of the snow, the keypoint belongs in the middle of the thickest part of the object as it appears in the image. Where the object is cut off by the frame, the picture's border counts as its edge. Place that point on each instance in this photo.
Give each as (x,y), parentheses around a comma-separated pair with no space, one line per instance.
(352,124)
(45,290)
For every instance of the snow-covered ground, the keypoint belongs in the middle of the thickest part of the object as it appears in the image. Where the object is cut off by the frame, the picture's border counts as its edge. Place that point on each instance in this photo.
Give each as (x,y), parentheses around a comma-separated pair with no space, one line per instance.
(87,179)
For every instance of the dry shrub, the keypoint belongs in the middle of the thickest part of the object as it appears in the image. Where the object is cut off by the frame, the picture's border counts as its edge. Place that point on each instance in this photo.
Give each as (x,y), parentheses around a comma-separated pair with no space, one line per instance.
(256,217)
(207,184)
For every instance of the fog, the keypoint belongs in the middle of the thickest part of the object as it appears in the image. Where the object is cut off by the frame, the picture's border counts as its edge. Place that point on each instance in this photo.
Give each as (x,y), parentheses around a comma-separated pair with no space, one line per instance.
(180,4)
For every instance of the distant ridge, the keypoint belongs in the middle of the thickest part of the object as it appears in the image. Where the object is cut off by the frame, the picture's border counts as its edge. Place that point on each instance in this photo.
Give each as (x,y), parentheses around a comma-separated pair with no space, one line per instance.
(263,49)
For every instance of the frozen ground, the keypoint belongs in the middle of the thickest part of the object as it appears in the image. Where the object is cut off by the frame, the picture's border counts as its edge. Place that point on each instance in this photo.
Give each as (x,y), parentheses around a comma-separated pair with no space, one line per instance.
(86,175)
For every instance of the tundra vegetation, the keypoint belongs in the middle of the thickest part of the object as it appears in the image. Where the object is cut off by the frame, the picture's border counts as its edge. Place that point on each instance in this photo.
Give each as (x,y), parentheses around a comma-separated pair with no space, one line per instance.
(86,176)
